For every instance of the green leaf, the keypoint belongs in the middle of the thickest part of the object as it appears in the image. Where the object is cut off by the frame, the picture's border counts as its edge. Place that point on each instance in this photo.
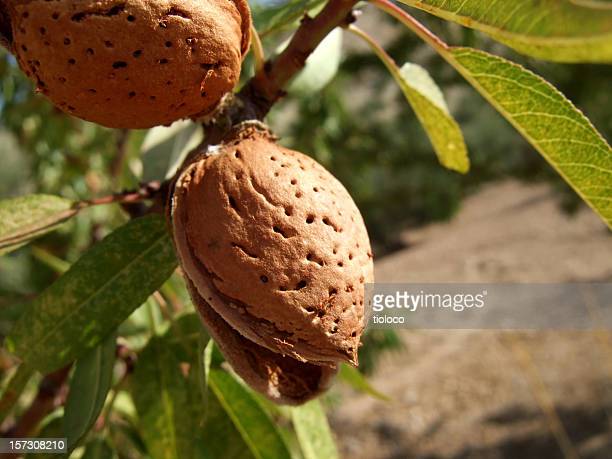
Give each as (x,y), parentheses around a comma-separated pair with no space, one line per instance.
(95,295)
(541,114)
(161,396)
(563,30)
(313,432)
(206,348)
(219,436)
(353,377)
(321,66)
(10,312)
(256,428)
(98,448)
(135,331)
(89,386)
(428,103)
(184,335)
(126,439)
(215,436)
(270,16)
(165,148)
(27,217)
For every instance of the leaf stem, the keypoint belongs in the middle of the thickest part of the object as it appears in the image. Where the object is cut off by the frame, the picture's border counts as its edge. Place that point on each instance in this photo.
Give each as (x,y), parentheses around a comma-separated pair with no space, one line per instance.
(409,21)
(55,263)
(147,191)
(378,50)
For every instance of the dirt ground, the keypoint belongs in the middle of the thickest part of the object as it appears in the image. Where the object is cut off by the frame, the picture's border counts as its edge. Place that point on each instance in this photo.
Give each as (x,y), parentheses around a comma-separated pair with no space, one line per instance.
(487,394)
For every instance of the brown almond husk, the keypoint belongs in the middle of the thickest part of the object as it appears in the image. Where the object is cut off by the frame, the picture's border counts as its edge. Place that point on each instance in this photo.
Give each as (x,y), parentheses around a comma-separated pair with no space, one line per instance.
(131,63)
(277,248)
(281,379)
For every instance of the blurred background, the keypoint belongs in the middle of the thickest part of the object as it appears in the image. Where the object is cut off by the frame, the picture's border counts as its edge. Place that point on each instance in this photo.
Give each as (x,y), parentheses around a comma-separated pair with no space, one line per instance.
(453,394)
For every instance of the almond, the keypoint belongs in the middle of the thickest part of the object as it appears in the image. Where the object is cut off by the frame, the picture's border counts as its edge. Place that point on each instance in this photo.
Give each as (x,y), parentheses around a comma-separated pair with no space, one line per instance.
(282,379)
(275,245)
(131,63)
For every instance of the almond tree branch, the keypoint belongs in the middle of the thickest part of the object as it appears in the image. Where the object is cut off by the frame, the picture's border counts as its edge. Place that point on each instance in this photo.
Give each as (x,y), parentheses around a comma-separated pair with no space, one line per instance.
(146,191)
(267,86)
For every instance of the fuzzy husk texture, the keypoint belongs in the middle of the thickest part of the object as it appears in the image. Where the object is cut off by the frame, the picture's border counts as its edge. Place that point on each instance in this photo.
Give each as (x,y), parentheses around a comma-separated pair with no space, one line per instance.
(281,379)
(131,63)
(274,248)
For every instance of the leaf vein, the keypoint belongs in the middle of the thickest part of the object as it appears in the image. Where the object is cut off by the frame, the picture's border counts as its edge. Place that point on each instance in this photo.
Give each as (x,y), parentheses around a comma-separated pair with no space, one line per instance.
(72,312)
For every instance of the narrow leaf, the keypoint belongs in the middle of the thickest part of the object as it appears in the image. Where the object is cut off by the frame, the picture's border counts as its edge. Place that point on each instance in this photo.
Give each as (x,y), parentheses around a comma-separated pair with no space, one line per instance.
(353,377)
(161,396)
(219,436)
(10,310)
(98,448)
(27,217)
(541,114)
(14,389)
(313,432)
(206,348)
(89,386)
(254,425)
(207,358)
(428,103)
(127,442)
(321,66)
(184,335)
(214,435)
(95,295)
(269,16)
(165,148)
(563,30)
